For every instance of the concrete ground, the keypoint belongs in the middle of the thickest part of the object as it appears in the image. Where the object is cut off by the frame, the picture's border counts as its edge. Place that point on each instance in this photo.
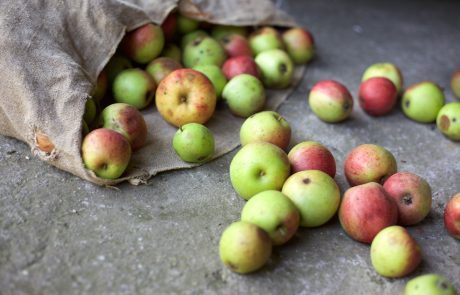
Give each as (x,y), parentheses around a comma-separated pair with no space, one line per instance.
(62,235)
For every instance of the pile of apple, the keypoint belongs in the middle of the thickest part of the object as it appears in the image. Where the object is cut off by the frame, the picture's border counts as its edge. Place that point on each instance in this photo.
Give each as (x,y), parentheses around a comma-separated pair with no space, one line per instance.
(185,67)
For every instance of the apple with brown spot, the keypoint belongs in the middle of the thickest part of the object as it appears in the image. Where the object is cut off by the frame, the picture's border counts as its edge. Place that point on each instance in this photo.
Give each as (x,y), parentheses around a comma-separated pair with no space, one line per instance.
(160,67)
(312,155)
(240,65)
(452,216)
(377,96)
(143,44)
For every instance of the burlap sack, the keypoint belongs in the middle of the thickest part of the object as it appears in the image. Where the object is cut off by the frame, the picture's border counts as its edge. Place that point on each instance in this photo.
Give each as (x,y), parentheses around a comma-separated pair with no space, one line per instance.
(51,53)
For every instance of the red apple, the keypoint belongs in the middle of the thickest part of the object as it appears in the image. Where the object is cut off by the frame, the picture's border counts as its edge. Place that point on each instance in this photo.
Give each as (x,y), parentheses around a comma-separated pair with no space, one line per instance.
(377,96)
(452,216)
(169,26)
(311,155)
(240,65)
(143,44)
(236,45)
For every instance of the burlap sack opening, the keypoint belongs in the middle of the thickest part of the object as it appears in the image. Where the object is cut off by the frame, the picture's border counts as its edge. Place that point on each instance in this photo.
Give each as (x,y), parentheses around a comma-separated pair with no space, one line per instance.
(53,51)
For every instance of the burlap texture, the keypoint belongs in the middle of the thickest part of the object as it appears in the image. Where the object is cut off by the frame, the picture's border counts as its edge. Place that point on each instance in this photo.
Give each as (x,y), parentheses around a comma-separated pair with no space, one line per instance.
(51,53)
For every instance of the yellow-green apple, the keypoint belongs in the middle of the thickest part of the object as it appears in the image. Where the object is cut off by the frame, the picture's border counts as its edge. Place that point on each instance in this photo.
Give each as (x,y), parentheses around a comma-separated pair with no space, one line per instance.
(377,96)
(455,83)
(412,195)
(185,96)
(127,120)
(311,155)
(185,24)
(135,87)
(429,284)
(169,26)
(215,75)
(369,163)
(244,247)
(276,68)
(265,38)
(192,36)
(299,45)
(257,167)
(448,120)
(106,152)
(394,252)
(273,212)
(315,194)
(160,67)
(330,101)
(267,126)
(219,32)
(143,44)
(100,89)
(236,45)
(90,111)
(422,101)
(194,143)
(244,95)
(238,65)
(386,70)
(203,51)
(172,51)
(365,210)
(452,216)
(116,65)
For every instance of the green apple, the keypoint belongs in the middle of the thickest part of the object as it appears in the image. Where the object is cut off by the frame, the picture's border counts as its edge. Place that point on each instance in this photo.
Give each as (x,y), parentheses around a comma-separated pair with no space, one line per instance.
(192,36)
(185,24)
(421,102)
(160,67)
(116,65)
(90,111)
(172,51)
(448,120)
(299,45)
(194,143)
(276,67)
(219,32)
(258,167)
(215,75)
(244,247)
(135,87)
(429,284)
(143,44)
(264,39)
(203,51)
(385,70)
(315,194)
(394,253)
(244,95)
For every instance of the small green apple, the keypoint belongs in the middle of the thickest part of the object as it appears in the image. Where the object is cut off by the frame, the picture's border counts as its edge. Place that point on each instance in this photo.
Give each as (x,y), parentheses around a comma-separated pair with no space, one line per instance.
(135,87)
(264,39)
(190,37)
(215,75)
(116,65)
(276,67)
(421,102)
(203,51)
(386,70)
(194,143)
(185,24)
(244,95)
(429,284)
(448,120)
(172,51)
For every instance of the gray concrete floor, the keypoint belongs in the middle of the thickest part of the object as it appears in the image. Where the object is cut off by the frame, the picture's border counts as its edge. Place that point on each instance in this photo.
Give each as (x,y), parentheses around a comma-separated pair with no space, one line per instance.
(62,235)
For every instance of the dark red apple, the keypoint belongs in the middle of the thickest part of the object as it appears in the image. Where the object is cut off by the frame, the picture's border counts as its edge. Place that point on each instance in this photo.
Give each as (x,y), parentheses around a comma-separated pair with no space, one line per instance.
(377,96)
(240,65)
(311,155)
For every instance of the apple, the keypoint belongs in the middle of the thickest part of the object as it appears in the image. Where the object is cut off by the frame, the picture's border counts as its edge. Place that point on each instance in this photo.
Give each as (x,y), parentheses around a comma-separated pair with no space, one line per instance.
(185,24)
(311,155)
(273,212)
(429,284)
(84,132)
(257,167)
(90,111)
(143,44)
(365,210)
(194,143)
(452,216)
(135,87)
(100,89)
(412,195)
(244,247)
(377,96)
(116,65)
(219,32)
(421,102)
(394,252)
(169,26)
(299,45)
(172,51)
(126,120)
(192,36)
(369,163)
(235,45)
(385,70)
(185,96)
(448,120)
(215,75)
(106,152)
(203,51)
(265,38)
(455,83)
(315,194)
(267,126)
(160,67)
(238,65)
(330,101)
(244,95)
(276,67)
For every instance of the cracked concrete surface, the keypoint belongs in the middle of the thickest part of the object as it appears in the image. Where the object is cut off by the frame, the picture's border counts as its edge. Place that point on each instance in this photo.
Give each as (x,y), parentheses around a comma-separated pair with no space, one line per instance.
(62,235)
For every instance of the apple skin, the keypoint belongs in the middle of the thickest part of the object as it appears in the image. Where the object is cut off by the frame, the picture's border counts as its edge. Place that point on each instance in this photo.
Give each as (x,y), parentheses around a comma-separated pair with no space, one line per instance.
(394,252)
(244,247)
(160,67)
(412,195)
(185,25)
(126,120)
(455,83)
(172,51)
(377,96)
(273,212)
(448,120)
(143,44)
(169,26)
(235,45)
(194,143)
(311,155)
(135,87)
(203,51)
(452,216)
(116,65)
(265,38)
(422,101)
(238,65)
(386,70)
(276,67)
(267,126)
(219,32)
(365,210)
(106,152)
(257,167)
(429,284)
(244,95)
(369,163)
(215,75)
(192,36)
(299,45)
(90,111)
(185,96)
(330,101)
(100,89)
(315,194)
